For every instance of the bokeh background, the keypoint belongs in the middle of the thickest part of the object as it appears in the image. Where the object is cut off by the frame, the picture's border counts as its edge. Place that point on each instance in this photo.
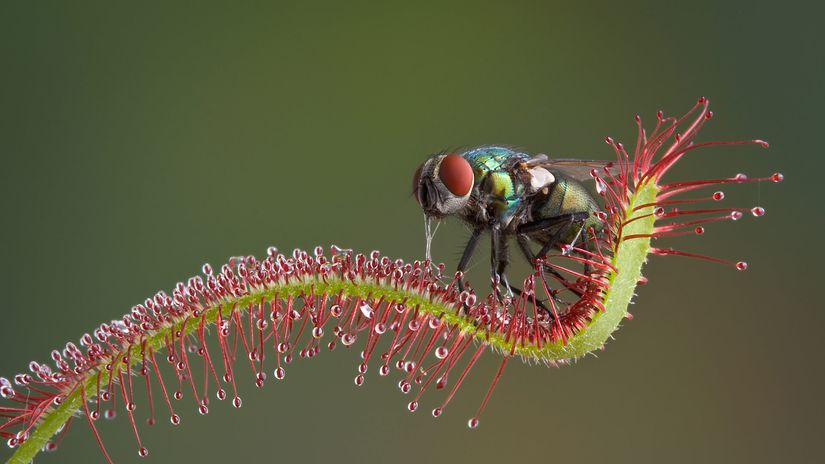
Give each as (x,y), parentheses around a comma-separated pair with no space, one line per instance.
(140,141)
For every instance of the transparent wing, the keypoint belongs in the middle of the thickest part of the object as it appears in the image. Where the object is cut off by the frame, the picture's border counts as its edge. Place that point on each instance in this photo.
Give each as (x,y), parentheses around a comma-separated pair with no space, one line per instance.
(575,168)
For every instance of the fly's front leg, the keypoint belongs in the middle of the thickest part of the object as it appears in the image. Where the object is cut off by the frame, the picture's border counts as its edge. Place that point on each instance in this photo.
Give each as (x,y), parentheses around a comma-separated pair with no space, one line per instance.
(469,249)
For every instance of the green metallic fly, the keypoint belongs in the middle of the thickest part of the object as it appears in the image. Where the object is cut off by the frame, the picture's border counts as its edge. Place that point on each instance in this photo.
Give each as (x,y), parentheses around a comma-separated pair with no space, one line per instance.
(513,195)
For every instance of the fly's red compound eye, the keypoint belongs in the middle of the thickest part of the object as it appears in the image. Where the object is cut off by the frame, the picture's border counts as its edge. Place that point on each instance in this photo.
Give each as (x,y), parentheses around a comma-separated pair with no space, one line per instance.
(456,174)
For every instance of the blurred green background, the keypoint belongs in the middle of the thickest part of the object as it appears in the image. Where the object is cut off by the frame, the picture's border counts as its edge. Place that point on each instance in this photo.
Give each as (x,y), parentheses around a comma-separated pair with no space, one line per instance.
(141,141)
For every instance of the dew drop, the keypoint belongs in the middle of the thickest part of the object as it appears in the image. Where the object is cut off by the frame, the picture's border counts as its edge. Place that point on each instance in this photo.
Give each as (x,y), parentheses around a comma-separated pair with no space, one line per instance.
(335,311)
(362,368)
(441,352)
(317,332)
(736,215)
(600,187)
(130,407)
(699,230)
(175,419)
(404,386)
(380,328)
(143,452)
(741,265)
(203,410)
(359,380)
(366,310)
(348,339)
(178,395)
(719,196)
(777,177)
(282,347)
(412,406)
(414,325)
(437,412)
(94,415)
(758,211)
(740,177)
(109,414)
(384,370)
(236,402)
(472,423)
(221,394)
(280,373)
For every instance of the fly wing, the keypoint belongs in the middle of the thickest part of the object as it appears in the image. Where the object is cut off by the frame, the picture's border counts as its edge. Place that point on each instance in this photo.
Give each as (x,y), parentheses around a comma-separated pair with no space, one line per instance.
(575,168)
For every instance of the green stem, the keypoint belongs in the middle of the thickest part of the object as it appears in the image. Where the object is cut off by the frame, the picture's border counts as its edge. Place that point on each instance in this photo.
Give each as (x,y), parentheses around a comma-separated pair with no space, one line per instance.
(627,260)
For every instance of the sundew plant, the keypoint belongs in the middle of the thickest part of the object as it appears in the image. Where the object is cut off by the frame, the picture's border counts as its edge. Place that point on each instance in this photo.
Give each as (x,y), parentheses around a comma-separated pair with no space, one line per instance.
(251,317)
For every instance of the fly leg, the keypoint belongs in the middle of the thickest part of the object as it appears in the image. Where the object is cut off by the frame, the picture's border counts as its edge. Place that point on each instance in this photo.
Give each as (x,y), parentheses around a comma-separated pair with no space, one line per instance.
(590,247)
(503,260)
(528,254)
(495,247)
(499,260)
(531,258)
(564,223)
(469,249)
